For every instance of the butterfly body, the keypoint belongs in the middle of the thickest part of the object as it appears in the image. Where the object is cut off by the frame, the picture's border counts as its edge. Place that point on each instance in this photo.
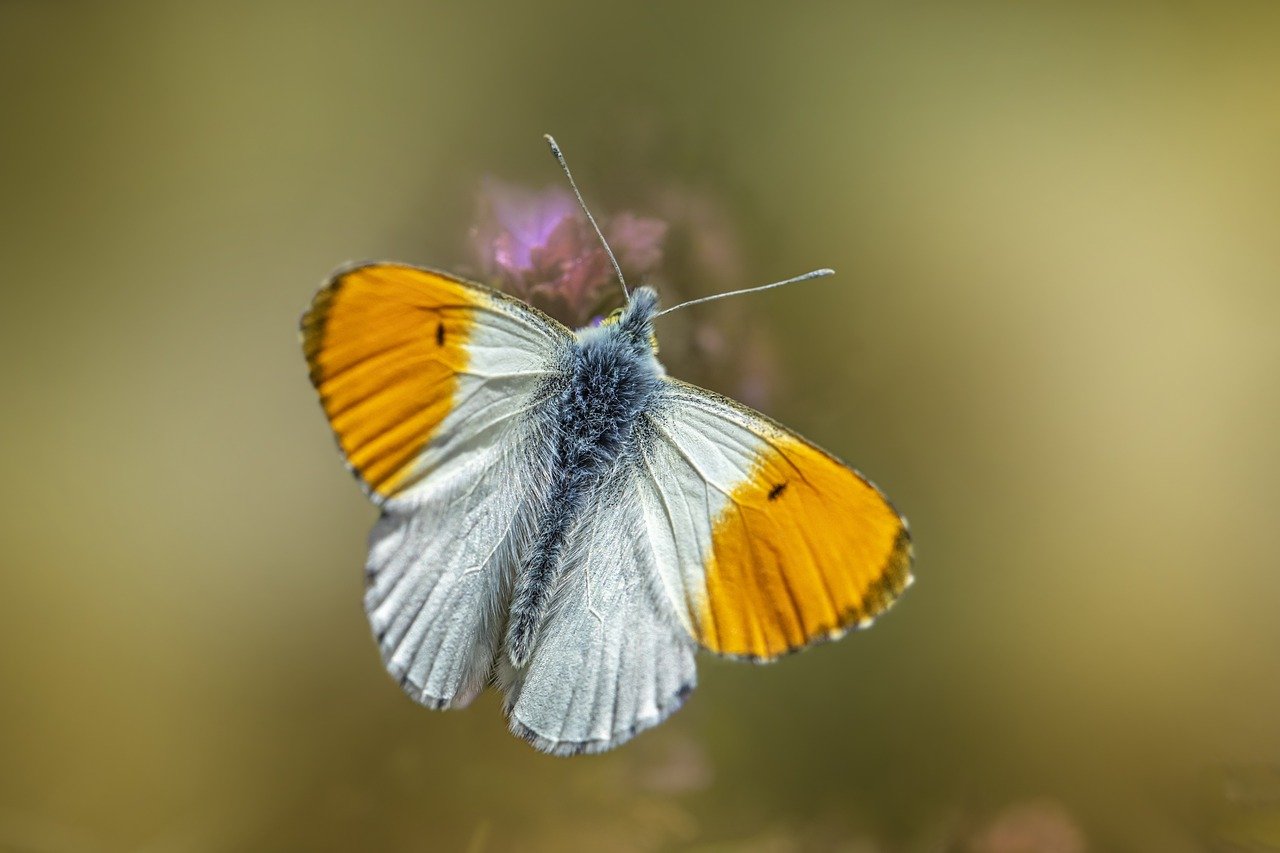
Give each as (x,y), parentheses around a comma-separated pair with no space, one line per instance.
(563,521)
(610,380)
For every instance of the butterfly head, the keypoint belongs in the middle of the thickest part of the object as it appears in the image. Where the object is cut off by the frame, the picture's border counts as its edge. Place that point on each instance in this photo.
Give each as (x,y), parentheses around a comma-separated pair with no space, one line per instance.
(636,317)
(634,321)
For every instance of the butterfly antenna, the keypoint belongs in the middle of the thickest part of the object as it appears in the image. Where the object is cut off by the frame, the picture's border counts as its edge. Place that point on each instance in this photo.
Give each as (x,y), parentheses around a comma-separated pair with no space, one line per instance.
(559,155)
(815,274)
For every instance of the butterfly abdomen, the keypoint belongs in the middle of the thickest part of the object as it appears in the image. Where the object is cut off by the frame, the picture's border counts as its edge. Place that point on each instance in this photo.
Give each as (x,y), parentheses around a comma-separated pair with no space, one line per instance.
(611,381)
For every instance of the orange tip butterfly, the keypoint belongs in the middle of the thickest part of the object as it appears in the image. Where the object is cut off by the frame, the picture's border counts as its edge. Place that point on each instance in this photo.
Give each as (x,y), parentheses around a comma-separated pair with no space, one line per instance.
(567,523)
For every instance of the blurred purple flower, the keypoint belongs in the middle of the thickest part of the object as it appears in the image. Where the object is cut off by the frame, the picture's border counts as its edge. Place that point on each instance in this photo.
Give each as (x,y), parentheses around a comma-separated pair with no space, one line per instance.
(539,246)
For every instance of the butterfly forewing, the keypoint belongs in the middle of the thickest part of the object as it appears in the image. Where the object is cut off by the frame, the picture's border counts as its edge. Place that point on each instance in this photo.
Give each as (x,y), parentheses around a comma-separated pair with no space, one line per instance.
(414,367)
(774,544)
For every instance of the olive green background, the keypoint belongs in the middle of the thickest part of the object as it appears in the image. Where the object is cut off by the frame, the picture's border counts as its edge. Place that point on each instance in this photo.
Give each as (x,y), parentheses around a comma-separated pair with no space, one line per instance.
(1052,340)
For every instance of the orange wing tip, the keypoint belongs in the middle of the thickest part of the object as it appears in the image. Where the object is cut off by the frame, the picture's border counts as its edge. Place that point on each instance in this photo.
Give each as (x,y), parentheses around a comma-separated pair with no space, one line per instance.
(894,578)
(880,595)
(385,345)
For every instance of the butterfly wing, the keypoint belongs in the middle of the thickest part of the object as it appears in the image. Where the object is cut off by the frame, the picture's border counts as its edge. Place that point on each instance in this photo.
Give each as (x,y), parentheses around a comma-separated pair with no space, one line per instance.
(416,369)
(613,657)
(766,543)
(436,390)
(690,541)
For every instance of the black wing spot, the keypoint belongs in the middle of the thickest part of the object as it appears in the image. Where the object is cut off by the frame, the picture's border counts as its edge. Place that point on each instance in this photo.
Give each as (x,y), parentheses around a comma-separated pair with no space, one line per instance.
(439,334)
(776,491)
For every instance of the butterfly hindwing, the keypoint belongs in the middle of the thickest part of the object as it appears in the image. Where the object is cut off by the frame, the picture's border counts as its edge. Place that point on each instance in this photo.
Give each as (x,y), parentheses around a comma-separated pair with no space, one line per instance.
(613,658)
(772,543)
(439,572)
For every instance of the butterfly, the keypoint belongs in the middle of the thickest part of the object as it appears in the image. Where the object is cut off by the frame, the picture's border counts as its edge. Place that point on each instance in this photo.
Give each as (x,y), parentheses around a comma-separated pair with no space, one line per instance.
(562,520)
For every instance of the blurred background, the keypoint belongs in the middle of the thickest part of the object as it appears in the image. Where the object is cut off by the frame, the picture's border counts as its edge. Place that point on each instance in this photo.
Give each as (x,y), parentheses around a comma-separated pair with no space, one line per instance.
(1052,340)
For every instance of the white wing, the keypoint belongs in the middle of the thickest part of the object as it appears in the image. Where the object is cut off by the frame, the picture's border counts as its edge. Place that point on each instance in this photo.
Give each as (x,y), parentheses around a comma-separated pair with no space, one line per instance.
(764,542)
(613,658)
(439,571)
(437,393)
